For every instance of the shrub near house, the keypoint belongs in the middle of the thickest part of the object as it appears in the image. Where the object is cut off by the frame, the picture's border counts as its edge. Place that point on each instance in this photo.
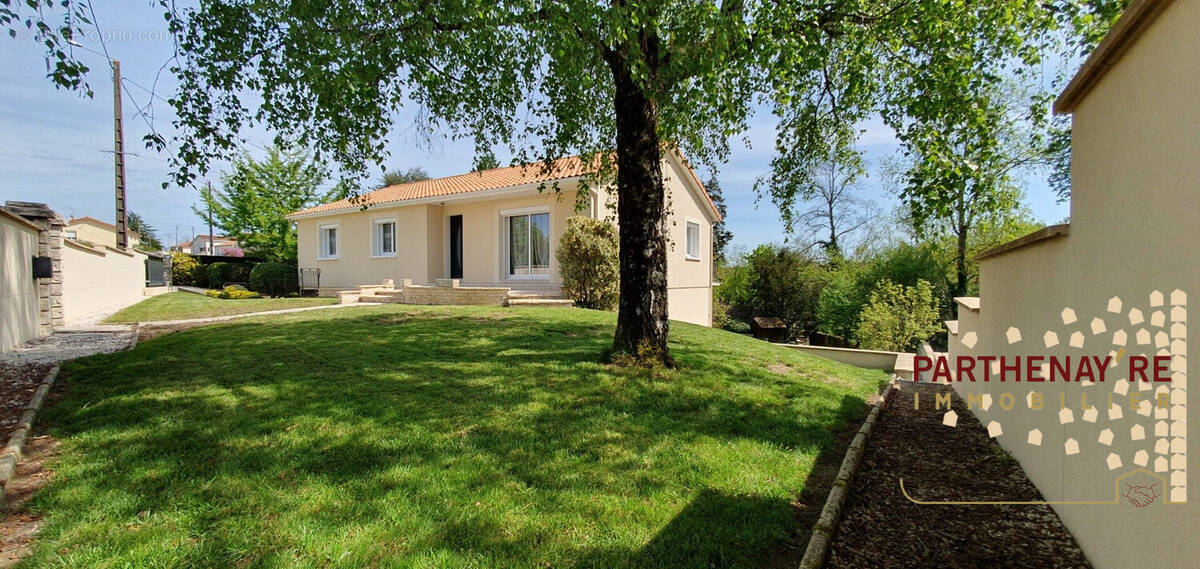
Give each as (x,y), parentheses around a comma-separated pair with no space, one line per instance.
(587,260)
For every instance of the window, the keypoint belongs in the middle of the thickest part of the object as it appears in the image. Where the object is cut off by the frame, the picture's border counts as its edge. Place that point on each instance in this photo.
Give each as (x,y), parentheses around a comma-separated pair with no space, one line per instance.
(528,245)
(383,238)
(693,241)
(328,237)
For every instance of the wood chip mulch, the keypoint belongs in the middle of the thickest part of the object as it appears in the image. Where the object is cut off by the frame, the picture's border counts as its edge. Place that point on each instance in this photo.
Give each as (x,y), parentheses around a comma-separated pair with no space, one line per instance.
(17,386)
(881,528)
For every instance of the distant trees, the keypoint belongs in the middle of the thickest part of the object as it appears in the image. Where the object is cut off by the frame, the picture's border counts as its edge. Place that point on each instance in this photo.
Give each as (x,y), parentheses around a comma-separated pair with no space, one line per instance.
(257,195)
(149,240)
(395,177)
(721,233)
(836,209)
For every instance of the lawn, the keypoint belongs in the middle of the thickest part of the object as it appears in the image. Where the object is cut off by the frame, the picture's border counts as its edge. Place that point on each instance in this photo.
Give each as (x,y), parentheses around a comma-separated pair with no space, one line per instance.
(185,305)
(405,436)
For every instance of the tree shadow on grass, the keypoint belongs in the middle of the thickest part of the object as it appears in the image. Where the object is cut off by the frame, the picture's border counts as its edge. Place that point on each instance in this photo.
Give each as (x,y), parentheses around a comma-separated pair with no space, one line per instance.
(432,438)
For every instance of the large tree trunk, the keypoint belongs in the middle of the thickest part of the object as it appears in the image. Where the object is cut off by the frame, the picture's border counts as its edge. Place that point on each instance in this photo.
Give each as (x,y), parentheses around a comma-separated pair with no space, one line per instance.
(642,312)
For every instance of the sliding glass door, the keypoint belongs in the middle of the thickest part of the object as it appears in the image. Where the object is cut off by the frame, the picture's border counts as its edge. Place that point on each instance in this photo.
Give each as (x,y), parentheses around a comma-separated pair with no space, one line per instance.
(529,245)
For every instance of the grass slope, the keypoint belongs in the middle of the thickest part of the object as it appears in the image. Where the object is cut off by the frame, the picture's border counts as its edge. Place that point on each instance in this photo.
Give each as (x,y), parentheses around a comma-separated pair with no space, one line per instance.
(435,437)
(186,305)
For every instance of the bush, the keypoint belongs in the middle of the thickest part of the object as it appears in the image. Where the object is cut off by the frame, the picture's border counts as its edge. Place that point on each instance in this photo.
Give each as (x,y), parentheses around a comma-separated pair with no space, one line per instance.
(222,273)
(737,326)
(232,292)
(275,279)
(720,313)
(898,317)
(588,263)
(785,283)
(186,270)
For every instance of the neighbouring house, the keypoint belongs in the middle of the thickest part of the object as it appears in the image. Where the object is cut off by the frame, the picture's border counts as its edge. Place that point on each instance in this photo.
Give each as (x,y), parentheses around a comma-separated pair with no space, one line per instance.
(92,231)
(219,245)
(495,231)
(1113,282)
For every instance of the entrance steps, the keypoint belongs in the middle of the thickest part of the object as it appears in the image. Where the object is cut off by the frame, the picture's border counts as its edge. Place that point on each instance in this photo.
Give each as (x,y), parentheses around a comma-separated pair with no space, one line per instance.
(534,298)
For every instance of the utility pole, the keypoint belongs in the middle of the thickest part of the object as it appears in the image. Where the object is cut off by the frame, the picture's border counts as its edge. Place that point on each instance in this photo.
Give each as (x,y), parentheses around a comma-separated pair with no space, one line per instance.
(208,201)
(119,157)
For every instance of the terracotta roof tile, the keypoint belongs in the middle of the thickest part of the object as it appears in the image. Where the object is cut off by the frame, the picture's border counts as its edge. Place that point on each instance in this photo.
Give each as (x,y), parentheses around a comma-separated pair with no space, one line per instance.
(495,178)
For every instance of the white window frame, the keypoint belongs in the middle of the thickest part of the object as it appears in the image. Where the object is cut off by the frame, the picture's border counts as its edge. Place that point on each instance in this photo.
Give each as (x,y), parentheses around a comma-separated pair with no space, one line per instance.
(687,245)
(377,251)
(322,252)
(505,240)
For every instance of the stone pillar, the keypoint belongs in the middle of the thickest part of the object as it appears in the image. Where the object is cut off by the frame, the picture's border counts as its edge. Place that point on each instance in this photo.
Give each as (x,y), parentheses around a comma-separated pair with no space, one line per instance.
(50,291)
(50,243)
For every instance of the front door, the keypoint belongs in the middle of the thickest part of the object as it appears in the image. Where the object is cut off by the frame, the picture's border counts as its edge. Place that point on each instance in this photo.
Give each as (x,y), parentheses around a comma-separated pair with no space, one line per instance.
(456,247)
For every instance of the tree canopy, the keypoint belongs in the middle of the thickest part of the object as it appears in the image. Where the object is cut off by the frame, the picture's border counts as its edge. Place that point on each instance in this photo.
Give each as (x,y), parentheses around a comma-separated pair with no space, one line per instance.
(257,195)
(550,79)
(394,177)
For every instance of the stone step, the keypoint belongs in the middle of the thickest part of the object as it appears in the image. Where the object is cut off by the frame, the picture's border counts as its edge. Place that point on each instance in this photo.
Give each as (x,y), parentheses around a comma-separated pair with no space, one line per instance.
(532,294)
(544,302)
(391,299)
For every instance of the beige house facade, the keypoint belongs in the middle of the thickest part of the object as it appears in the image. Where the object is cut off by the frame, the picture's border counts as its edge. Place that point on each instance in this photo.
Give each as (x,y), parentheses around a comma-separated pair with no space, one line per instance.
(498,228)
(1113,282)
(92,231)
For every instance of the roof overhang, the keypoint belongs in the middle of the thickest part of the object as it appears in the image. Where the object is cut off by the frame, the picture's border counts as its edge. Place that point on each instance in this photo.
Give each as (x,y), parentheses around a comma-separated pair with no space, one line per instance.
(460,197)
(1136,18)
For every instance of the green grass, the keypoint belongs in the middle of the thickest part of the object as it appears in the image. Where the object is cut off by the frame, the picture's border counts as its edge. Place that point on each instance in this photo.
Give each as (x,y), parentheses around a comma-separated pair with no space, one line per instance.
(403,436)
(185,305)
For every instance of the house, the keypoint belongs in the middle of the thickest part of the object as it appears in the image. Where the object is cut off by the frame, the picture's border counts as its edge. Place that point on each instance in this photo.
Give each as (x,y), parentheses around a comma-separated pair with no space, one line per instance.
(498,230)
(1113,282)
(219,245)
(90,230)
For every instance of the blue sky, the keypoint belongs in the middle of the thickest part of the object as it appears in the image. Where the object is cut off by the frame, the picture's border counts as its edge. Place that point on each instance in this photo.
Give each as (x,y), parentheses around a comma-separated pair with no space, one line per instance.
(57,145)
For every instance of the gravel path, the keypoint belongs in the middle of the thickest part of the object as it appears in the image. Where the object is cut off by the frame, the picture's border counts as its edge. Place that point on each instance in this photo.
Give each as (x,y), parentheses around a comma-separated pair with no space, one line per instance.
(70,344)
(883,529)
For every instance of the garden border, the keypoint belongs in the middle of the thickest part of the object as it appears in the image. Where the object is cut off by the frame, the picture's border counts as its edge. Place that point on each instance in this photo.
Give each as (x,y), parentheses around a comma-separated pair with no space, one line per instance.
(831,513)
(11,455)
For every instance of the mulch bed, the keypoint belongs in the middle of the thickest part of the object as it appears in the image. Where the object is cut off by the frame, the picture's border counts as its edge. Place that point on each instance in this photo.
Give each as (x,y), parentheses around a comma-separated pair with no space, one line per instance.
(17,385)
(883,529)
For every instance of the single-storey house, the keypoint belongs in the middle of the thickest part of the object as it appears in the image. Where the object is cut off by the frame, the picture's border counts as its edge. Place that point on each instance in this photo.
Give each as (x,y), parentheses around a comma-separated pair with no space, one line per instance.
(498,228)
(89,230)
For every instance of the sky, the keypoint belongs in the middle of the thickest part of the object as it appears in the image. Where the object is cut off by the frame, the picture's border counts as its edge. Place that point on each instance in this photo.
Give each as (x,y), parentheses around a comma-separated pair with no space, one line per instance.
(56,145)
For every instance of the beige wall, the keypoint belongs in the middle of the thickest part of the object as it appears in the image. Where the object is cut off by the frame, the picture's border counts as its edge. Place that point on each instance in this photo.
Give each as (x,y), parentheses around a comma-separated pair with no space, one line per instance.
(689,281)
(18,289)
(483,234)
(97,280)
(1135,228)
(869,359)
(423,244)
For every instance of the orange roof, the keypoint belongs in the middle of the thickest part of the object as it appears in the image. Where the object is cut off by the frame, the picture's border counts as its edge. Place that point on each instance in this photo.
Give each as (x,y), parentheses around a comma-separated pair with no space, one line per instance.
(496,178)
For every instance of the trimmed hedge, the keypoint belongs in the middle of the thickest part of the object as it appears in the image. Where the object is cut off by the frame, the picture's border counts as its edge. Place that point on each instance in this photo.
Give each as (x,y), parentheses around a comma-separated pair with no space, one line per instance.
(275,279)
(186,270)
(219,274)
